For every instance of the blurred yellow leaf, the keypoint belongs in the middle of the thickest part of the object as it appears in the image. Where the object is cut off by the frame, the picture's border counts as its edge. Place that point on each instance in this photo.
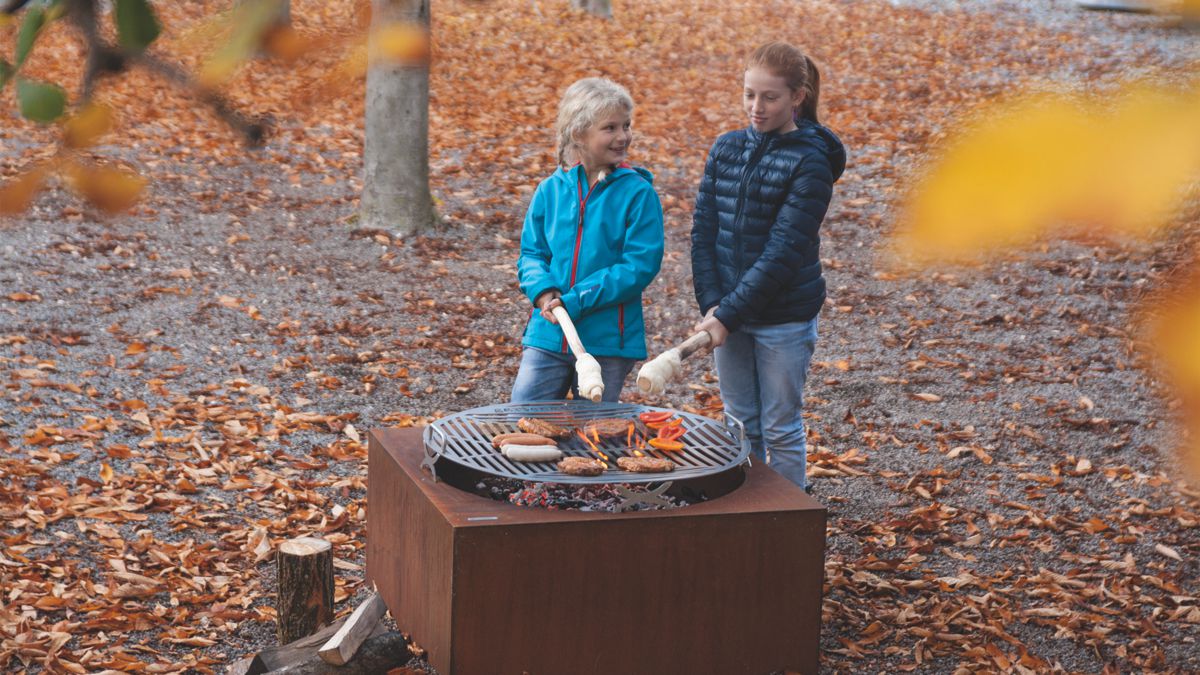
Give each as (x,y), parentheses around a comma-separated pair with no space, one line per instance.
(111,189)
(251,20)
(342,76)
(286,44)
(1047,165)
(106,473)
(16,195)
(87,126)
(1173,326)
(402,43)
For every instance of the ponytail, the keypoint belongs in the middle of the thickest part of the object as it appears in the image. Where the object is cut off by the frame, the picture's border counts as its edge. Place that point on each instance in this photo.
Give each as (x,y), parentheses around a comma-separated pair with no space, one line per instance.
(812,93)
(797,69)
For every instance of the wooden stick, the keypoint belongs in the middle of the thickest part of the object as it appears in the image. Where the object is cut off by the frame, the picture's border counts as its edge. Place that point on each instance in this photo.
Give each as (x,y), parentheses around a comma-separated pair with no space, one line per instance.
(694,344)
(342,646)
(568,329)
(591,379)
(304,596)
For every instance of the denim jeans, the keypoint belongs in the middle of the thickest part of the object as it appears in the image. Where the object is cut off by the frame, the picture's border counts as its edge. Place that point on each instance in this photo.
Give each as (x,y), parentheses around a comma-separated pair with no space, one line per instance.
(548,376)
(762,370)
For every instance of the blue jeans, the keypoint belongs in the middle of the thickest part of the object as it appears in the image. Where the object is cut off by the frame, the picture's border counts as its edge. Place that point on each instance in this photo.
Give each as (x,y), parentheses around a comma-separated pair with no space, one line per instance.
(548,376)
(762,370)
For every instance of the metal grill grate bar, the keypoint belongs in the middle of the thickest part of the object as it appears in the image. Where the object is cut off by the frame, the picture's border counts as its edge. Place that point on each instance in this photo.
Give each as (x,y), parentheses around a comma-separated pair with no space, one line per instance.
(465,438)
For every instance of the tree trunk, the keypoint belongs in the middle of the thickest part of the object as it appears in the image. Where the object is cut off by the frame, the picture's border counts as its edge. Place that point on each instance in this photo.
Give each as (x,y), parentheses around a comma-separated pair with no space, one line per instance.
(600,8)
(396,195)
(305,587)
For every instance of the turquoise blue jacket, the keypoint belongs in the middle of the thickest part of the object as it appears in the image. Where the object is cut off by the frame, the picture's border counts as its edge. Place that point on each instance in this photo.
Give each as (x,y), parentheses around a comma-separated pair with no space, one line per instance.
(600,248)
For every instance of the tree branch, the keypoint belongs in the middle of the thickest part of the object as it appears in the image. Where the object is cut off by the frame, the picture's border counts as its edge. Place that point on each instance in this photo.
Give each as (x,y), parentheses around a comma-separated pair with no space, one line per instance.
(254,129)
(103,58)
(12,6)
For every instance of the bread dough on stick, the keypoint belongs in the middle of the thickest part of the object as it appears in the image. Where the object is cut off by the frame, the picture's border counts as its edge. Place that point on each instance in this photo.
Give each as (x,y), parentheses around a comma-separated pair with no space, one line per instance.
(591,382)
(668,366)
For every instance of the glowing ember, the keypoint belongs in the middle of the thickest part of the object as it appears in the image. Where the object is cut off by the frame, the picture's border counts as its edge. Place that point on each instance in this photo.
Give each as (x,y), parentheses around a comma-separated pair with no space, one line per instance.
(604,497)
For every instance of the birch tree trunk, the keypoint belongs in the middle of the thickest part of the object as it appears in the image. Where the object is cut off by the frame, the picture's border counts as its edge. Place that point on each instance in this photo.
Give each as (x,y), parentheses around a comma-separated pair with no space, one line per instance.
(600,8)
(396,195)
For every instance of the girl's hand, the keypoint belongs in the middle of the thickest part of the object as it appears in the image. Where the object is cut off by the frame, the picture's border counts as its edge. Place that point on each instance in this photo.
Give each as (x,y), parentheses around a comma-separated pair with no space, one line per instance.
(547,302)
(715,328)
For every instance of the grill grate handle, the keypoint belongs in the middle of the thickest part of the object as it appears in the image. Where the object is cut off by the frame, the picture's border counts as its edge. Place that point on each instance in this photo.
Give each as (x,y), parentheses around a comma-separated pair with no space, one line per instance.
(739,432)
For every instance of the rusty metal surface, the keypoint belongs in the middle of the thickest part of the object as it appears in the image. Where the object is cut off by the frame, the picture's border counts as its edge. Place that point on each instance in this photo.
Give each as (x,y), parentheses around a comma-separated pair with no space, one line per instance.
(730,586)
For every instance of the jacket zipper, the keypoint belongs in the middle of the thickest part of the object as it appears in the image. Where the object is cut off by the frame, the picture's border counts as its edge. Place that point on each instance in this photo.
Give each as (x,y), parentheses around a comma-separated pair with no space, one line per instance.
(755,158)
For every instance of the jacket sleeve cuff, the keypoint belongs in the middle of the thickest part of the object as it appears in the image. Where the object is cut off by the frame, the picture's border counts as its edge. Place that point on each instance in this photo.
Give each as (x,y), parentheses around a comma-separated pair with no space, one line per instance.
(728,318)
(570,303)
(536,291)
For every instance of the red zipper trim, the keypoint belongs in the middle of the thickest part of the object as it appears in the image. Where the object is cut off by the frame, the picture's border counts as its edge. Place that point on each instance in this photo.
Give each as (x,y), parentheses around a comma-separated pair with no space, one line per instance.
(583,199)
(621,323)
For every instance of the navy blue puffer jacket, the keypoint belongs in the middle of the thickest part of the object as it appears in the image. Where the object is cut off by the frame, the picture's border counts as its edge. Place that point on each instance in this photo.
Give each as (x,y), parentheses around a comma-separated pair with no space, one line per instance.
(756,227)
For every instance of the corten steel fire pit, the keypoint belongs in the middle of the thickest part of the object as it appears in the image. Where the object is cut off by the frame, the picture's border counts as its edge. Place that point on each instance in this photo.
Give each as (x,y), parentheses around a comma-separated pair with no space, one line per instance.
(727,586)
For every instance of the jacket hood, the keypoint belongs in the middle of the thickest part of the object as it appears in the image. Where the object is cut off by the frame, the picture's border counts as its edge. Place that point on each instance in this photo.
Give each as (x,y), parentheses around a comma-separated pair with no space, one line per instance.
(571,175)
(817,136)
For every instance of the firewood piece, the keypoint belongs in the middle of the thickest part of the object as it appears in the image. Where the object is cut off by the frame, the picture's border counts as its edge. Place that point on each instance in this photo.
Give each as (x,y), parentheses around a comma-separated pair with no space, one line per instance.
(251,665)
(304,597)
(378,654)
(342,646)
(291,654)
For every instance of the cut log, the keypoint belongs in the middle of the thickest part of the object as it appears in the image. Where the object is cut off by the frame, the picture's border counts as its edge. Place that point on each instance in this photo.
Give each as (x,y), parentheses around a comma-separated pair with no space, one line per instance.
(377,655)
(295,654)
(341,647)
(282,656)
(304,597)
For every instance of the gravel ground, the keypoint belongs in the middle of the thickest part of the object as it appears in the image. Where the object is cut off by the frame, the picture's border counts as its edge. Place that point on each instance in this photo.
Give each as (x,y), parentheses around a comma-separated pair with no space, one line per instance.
(275,298)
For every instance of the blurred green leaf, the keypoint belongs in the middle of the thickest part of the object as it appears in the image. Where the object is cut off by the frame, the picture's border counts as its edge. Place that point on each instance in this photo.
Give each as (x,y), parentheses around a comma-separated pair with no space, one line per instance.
(136,24)
(40,102)
(35,18)
(251,19)
(6,72)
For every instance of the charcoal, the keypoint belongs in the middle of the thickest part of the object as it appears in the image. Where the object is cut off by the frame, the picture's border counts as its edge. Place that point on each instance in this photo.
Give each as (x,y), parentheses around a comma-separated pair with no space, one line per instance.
(558,496)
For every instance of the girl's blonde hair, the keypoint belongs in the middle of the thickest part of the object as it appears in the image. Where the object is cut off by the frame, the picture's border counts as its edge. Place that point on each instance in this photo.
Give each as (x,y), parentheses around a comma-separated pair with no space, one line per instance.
(582,105)
(798,70)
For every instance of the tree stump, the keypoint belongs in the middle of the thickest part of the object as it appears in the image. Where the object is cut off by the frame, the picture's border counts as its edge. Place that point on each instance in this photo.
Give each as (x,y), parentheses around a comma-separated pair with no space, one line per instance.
(304,597)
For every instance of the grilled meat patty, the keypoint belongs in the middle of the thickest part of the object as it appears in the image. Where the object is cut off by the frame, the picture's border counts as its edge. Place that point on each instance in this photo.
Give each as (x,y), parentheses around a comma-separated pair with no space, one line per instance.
(608,427)
(533,425)
(645,464)
(581,466)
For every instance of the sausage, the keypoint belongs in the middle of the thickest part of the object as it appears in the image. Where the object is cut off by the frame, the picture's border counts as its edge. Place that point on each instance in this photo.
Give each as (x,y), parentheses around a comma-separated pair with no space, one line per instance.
(532,453)
(521,438)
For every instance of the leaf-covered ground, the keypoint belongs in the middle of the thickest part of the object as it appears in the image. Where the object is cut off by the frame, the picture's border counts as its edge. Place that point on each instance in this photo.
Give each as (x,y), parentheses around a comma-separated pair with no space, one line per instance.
(191,384)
